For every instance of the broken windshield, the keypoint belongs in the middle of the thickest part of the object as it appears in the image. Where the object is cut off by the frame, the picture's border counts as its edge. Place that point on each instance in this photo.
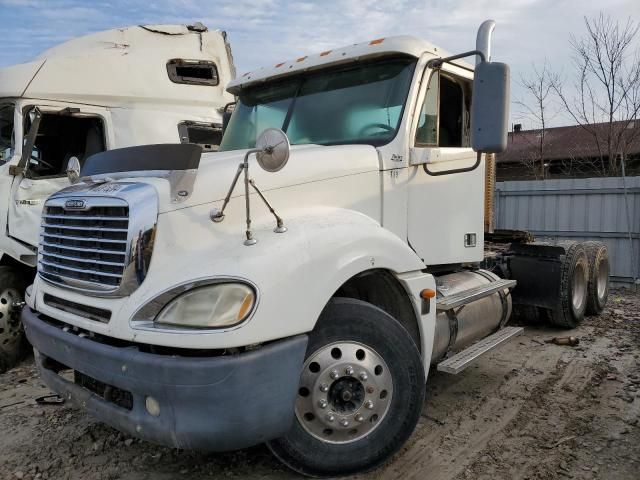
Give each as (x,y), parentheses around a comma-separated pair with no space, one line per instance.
(360,103)
(6,132)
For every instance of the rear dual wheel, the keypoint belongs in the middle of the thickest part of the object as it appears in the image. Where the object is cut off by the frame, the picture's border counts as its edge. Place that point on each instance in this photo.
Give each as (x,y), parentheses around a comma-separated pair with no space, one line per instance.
(598,285)
(360,396)
(574,279)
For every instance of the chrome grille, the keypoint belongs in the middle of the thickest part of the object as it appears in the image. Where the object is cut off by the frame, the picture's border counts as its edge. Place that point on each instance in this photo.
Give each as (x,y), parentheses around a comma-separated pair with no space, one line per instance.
(88,245)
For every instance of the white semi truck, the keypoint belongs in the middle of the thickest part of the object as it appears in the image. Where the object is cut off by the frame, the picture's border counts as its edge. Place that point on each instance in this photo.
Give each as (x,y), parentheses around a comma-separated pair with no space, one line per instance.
(305,308)
(130,86)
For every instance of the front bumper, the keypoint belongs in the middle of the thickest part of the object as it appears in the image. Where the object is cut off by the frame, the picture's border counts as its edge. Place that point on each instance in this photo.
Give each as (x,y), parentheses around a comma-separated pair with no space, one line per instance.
(206,403)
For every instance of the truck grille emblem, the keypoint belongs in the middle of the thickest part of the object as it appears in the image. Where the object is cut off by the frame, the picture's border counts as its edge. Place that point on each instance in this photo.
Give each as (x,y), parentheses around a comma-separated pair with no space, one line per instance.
(74,204)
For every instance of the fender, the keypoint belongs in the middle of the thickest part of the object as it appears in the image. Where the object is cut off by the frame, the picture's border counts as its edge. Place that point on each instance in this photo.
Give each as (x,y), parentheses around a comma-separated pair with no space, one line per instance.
(295,273)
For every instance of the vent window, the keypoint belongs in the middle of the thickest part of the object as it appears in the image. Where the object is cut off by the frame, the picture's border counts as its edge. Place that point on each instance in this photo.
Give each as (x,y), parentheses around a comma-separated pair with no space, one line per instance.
(207,135)
(192,72)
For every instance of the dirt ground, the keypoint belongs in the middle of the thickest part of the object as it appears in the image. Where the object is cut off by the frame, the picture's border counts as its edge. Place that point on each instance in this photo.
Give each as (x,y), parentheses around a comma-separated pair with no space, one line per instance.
(529,410)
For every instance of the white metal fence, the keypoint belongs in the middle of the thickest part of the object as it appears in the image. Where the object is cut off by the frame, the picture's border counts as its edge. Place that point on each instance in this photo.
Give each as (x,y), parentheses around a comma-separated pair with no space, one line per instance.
(580,209)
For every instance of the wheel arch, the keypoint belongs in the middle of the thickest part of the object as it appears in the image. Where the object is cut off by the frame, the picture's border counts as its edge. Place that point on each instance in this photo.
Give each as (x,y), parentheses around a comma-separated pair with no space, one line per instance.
(380,287)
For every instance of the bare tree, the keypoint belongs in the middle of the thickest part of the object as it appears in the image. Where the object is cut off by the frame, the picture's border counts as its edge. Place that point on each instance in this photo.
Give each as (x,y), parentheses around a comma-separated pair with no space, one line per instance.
(537,106)
(607,87)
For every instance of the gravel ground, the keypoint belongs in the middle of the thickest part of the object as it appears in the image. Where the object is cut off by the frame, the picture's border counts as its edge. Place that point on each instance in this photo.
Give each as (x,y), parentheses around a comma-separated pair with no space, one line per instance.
(529,410)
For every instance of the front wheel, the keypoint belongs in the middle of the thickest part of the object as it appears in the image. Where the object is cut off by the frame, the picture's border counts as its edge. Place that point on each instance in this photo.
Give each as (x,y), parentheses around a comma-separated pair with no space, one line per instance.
(360,395)
(13,345)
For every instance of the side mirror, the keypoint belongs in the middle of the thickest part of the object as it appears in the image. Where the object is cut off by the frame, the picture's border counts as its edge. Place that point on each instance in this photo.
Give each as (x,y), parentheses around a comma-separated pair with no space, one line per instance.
(490,107)
(73,170)
(273,149)
(226,115)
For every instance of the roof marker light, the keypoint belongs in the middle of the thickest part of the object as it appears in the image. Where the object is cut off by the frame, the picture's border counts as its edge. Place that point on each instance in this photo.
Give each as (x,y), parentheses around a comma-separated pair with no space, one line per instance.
(301,59)
(279,64)
(377,41)
(325,53)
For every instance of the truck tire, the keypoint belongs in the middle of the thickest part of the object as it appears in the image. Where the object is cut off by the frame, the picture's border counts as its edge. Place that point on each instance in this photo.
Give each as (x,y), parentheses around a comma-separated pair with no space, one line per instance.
(574,278)
(361,393)
(598,287)
(13,344)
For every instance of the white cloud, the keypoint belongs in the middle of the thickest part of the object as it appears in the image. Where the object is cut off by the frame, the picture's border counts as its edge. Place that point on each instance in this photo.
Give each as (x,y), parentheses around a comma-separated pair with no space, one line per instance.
(264,32)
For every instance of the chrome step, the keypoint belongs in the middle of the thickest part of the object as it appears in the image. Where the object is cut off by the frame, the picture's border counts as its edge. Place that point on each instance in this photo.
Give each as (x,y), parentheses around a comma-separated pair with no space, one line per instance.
(473,294)
(461,360)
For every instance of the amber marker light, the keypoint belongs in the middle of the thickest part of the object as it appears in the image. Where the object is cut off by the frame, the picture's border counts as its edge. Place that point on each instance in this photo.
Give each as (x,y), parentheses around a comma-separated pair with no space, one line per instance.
(377,41)
(427,293)
(247,303)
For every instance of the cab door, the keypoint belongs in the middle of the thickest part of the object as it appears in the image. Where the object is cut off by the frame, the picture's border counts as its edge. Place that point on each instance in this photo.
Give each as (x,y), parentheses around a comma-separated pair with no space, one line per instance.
(61,134)
(445,198)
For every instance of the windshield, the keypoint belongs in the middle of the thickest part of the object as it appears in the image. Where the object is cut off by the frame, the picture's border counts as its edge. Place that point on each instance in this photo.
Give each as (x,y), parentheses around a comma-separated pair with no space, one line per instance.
(6,132)
(357,104)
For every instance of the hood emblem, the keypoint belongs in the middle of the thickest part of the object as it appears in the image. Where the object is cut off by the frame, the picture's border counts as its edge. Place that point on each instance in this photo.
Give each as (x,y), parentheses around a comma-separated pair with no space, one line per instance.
(74,204)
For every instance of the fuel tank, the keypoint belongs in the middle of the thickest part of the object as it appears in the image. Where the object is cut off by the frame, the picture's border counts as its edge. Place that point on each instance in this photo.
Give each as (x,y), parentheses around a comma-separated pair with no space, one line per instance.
(477,319)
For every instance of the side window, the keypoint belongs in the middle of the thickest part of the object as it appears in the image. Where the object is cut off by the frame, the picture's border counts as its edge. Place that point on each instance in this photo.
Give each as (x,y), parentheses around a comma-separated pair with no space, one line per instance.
(445,113)
(427,133)
(192,72)
(61,137)
(207,135)
(7,138)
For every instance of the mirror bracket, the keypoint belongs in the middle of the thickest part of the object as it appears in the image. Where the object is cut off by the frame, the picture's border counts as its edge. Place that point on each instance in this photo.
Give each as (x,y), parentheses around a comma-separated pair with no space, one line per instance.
(269,150)
(437,62)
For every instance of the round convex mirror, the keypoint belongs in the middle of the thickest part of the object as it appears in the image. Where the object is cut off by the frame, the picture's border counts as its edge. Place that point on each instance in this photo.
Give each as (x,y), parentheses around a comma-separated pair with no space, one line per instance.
(73,169)
(274,149)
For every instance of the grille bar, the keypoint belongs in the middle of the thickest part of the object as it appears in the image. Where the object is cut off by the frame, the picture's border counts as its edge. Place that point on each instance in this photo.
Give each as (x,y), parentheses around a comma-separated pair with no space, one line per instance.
(82,259)
(87,239)
(85,217)
(89,228)
(80,270)
(82,249)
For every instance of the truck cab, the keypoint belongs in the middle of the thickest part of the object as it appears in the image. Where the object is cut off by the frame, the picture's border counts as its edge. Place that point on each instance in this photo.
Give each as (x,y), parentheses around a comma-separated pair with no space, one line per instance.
(296,286)
(131,86)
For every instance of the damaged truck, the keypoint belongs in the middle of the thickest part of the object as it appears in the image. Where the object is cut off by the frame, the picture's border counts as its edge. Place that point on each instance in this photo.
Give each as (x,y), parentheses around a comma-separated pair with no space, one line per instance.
(117,88)
(296,287)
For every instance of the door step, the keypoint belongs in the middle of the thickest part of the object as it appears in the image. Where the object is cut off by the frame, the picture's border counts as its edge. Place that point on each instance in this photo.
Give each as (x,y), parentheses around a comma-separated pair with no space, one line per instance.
(458,362)
(476,293)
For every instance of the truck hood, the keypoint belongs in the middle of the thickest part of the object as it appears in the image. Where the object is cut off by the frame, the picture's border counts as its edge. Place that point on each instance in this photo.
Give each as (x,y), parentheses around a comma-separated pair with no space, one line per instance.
(210,182)
(307,164)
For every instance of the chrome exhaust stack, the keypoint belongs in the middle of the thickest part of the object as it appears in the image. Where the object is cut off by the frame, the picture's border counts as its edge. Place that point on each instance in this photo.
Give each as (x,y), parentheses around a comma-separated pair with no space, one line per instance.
(483,40)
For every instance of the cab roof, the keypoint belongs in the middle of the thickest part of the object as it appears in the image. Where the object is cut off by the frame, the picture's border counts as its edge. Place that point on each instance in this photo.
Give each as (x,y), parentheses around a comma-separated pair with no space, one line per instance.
(123,66)
(402,45)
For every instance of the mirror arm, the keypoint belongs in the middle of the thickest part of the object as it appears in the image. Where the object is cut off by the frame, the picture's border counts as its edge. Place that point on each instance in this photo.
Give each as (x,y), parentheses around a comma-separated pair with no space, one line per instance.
(455,170)
(437,62)
(280,228)
(27,148)
(218,216)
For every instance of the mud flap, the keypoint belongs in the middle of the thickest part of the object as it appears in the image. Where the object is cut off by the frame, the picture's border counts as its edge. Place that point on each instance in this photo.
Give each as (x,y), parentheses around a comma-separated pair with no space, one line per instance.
(537,269)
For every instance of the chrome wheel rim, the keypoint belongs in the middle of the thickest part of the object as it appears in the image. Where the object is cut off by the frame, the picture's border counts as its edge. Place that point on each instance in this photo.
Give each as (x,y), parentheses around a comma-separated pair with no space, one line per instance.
(579,295)
(345,392)
(601,280)
(9,322)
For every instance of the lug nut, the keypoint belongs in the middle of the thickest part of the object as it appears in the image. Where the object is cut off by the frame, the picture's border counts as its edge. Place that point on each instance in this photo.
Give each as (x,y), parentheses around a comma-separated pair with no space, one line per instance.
(368,404)
(329,417)
(363,376)
(334,374)
(344,422)
(324,387)
(370,389)
(348,370)
(359,418)
(322,404)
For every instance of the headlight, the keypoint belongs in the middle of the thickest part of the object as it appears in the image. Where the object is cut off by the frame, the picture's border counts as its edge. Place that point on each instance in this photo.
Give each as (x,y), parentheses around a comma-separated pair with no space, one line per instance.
(213,306)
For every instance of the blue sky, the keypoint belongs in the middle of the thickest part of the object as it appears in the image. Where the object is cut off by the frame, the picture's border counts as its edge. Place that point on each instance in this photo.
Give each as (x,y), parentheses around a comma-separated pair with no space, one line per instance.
(264,32)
